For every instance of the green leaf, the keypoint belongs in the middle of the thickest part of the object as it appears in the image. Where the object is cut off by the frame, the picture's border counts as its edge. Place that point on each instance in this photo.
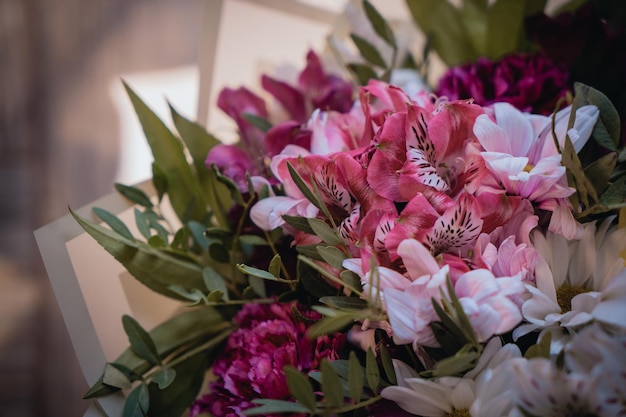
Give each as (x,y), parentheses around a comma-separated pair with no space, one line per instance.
(268,407)
(114,222)
(355,377)
(541,349)
(138,402)
(214,281)
(168,153)
(275,264)
(608,128)
(331,385)
(303,186)
(332,324)
(300,223)
(258,285)
(180,393)
(157,242)
(159,180)
(192,326)
(310,251)
(256,272)
(615,195)
(140,340)
(195,295)
(114,377)
(257,121)
(344,303)
(441,22)
(252,240)
(372,374)
(300,388)
(312,282)
(385,359)
(368,51)
(219,252)
(142,223)
(164,377)
(362,72)
(380,25)
(463,361)
(505,25)
(332,256)
(215,296)
(134,194)
(350,279)
(197,230)
(325,232)
(599,171)
(152,267)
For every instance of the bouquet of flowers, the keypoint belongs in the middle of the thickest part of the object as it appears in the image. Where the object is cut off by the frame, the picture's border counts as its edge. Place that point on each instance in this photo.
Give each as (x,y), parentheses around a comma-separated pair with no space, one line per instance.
(396,242)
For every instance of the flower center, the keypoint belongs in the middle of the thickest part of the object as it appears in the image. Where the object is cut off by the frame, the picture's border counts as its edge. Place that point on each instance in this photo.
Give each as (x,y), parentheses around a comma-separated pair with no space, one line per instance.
(464,412)
(565,294)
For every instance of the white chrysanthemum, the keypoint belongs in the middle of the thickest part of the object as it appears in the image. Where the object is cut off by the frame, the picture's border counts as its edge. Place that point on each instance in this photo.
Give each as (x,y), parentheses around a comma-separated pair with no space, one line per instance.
(446,396)
(588,283)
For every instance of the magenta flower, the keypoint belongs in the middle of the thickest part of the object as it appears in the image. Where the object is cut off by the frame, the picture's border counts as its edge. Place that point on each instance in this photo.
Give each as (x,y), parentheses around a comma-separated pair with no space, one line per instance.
(270,336)
(531,83)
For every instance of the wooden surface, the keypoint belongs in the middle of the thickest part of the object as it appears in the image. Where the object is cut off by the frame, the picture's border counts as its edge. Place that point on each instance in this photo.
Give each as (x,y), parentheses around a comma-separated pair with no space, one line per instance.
(58,147)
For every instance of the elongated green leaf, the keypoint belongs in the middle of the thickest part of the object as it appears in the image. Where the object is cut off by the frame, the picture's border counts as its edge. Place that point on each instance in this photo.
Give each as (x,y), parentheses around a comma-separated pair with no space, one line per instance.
(372,374)
(331,324)
(114,377)
(142,223)
(368,51)
(362,72)
(164,377)
(186,328)
(256,272)
(441,22)
(380,25)
(300,223)
(615,195)
(134,194)
(114,222)
(355,378)
(140,340)
(331,385)
(159,180)
(312,282)
(303,186)
(385,359)
(310,251)
(325,232)
(463,361)
(152,267)
(268,407)
(180,393)
(607,130)
(332,255)
(344,303)
(168,153)
(138,402)
(350,279)
(257,121)
(505,21)
(275,264)
(599,172)
(195,295)
(300,387)
(214,281)
(252,240)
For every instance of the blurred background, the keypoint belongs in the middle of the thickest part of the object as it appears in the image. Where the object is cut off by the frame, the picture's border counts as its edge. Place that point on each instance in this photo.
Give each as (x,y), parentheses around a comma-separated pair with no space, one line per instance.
(64,140)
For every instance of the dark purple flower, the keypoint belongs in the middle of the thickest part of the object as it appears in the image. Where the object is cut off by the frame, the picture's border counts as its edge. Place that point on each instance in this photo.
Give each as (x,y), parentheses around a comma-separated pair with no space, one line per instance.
(530,82)
(269,337)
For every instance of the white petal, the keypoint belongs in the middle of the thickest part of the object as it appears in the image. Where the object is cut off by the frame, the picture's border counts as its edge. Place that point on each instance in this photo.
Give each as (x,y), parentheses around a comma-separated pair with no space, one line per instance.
(517,128)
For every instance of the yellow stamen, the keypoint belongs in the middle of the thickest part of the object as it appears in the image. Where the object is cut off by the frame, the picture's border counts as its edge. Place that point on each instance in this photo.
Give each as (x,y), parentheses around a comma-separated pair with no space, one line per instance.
(528,167)
(464,412)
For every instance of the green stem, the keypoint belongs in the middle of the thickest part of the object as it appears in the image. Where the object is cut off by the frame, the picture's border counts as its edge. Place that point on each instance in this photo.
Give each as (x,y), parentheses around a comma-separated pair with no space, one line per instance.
(283,268)
(328,275)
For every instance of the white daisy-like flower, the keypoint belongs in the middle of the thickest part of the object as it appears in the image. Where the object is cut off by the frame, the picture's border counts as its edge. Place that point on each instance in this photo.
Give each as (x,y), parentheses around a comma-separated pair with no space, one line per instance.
(446,396)
(587,283)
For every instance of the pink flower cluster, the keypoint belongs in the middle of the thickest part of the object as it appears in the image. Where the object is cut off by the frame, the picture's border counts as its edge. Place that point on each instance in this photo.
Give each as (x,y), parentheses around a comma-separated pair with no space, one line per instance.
(250,366)
(459,184)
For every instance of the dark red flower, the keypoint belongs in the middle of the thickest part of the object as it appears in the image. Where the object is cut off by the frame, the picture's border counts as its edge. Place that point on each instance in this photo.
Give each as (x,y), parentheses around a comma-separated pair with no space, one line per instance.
(530,82)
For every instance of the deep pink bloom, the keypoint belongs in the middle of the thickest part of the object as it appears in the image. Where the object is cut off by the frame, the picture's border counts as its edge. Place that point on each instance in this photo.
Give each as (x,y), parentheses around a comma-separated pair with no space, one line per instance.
(532,83)
(250,366)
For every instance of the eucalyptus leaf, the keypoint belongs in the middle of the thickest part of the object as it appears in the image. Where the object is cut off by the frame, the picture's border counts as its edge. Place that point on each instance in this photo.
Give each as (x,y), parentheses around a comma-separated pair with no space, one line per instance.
(218,252)
(152,267)
(331,385)
(368,51)
(344,303)
(332,255)
(142,223)
(168,153)
(215,296)
(190,327)
(599,171)
(372,374)
(312,282)
(164,377)
(350,279)
(195,295)
(300,387)
(258,285)
(275,264)
(138,402)
(140,340)
(157,242)
(268,407)
(114,222)
(464,360)
(332,324)
(385,359)
(134,194)
(256,272)
(253,240)
(214,281)
(615,195)
(310,251)
(325,232)
(541,349)
(300,223)
(607,131)
(159,180)
(380,25)
(362,72)
(355,377)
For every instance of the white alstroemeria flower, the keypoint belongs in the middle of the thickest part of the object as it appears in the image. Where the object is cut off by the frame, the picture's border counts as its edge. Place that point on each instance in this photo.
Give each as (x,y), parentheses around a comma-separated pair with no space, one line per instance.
(589,283)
